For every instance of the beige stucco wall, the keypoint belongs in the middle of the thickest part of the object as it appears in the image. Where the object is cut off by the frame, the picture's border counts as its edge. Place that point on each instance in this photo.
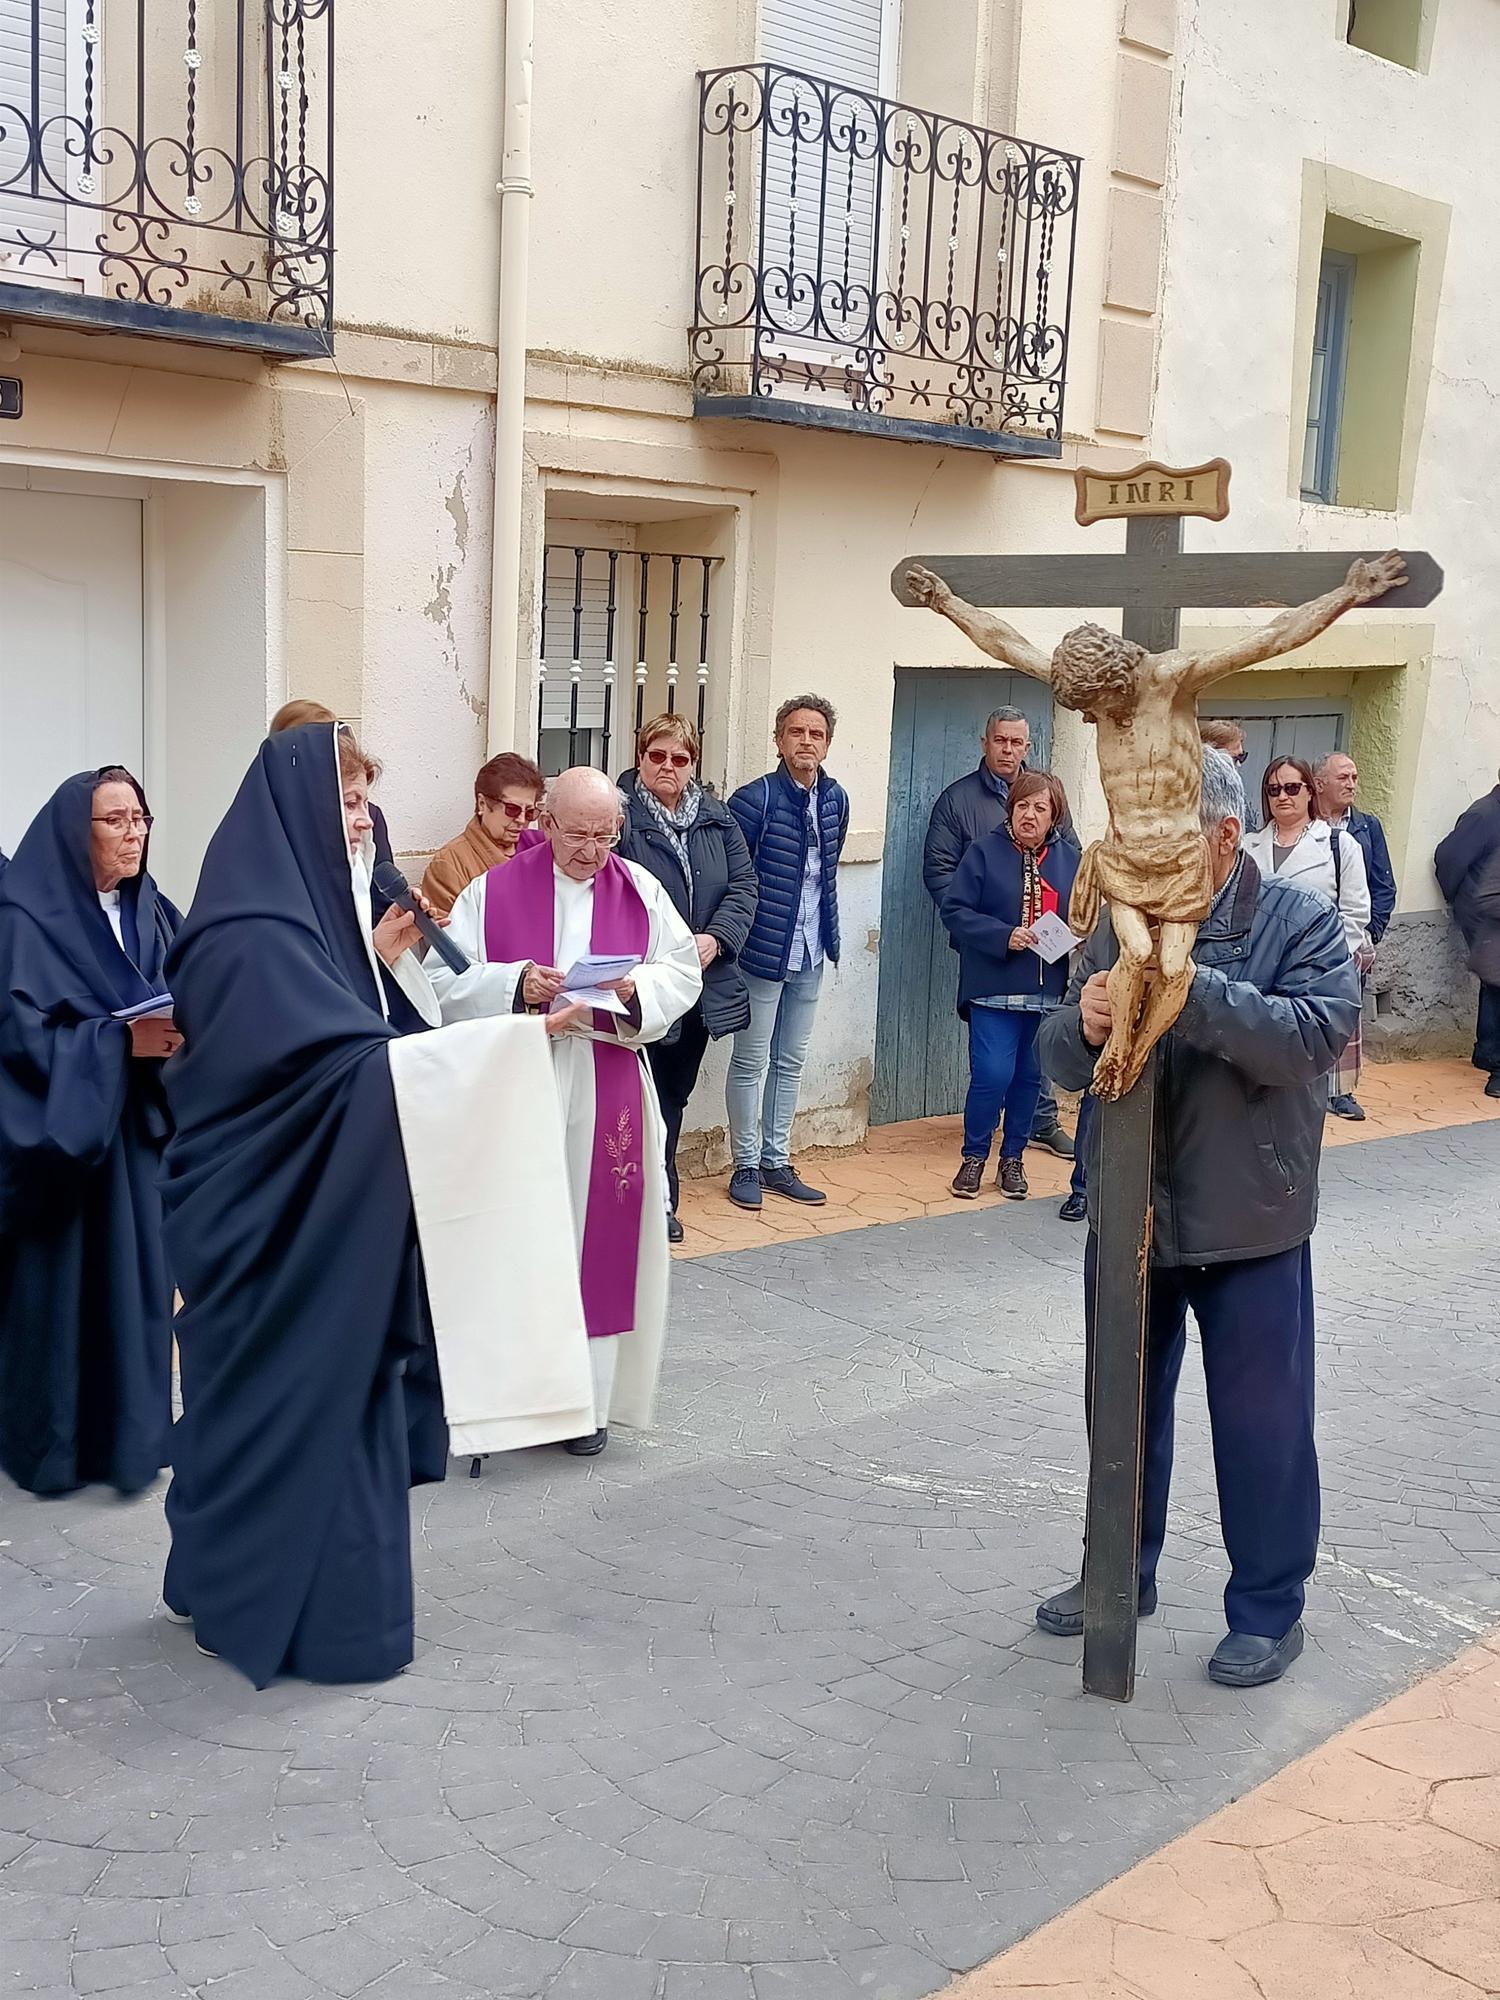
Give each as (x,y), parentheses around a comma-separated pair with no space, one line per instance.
(374,477)
(1274,104)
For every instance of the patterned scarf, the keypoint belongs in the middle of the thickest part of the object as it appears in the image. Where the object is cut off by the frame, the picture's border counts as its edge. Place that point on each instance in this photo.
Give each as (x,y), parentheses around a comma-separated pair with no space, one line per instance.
(679,824)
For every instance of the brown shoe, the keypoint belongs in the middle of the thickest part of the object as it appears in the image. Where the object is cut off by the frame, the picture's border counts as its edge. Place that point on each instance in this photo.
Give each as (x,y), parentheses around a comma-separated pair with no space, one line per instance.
(969,1179)
(1011,1180)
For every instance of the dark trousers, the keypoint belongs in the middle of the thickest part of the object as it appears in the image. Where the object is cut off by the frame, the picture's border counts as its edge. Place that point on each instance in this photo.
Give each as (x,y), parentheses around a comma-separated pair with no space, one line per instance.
(1004,1075)
(1081,1142)
(1487,1033)
(674,1071)
(1255,1319)
(1045,1116)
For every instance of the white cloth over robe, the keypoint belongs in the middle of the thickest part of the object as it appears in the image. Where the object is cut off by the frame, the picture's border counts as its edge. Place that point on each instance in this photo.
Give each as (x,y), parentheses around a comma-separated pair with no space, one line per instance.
(483,1137)
(667,983)
(464,1095)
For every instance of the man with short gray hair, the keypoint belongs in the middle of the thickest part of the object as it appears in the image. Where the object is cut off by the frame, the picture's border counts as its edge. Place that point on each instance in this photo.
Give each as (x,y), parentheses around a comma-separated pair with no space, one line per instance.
(971,807)
(1274,997)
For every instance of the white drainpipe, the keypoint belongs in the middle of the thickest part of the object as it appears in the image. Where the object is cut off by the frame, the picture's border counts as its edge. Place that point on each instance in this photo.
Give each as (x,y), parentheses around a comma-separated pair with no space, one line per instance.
(515,192)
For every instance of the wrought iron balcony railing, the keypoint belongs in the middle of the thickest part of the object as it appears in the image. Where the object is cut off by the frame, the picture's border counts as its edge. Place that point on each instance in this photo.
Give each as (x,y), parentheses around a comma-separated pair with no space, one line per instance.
(863,265)
(166,168)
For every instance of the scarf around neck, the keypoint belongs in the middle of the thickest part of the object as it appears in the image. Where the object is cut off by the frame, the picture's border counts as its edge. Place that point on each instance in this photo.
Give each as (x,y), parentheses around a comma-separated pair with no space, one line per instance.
(677,825)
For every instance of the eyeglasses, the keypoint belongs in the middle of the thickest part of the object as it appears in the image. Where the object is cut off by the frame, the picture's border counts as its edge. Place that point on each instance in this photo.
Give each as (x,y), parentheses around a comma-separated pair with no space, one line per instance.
(125,822)
(1242,757)
(1285,791)
(576,839)
(678,759)
(521,815)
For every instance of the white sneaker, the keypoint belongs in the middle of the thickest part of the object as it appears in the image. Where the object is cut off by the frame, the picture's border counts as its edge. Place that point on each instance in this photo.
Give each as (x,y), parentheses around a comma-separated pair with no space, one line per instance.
(205,1651)
(172,1617)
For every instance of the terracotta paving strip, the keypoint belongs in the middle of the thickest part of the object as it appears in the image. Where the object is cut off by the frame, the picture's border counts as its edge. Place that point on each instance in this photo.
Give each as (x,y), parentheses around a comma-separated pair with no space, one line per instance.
(901,1173)
(1369,1870)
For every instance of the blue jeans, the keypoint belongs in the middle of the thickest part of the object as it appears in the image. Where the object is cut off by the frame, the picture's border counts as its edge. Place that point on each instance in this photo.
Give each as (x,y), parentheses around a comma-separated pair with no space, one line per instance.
(1004,1074)
(1255,1319)
(765,1070)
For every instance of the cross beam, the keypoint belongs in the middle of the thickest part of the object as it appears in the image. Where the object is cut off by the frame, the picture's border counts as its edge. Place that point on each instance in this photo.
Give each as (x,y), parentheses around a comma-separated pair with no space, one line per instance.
(1161,579)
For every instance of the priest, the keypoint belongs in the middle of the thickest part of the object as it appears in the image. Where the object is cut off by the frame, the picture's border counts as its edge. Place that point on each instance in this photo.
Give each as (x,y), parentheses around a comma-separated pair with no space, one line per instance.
(525,927)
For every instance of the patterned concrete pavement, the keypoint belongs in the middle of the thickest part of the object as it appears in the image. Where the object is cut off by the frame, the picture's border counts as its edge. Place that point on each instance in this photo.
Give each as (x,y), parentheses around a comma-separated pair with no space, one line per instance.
(902,1172)
(752,1709)
(1369,1870)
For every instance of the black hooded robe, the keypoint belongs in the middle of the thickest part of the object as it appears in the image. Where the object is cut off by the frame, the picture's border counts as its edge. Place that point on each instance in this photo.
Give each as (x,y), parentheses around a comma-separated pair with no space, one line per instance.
(85,1297)
(290,1226)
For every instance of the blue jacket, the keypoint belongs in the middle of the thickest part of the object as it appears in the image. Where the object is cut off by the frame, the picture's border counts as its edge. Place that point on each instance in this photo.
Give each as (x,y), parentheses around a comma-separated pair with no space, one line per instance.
(1241,1090)
(1367,830)
(982,908)
(971,807)
(772,812)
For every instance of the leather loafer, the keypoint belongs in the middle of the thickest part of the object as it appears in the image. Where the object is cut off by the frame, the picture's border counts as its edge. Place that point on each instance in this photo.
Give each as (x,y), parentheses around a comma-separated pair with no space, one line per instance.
(587,1447)
(1492,1088)
(1246,1660)
(1062,1615)
(1075,1209)
(674,1229)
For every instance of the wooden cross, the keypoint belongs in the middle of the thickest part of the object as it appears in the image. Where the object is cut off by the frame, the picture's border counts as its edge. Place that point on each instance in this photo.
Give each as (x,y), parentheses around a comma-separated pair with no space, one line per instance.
(1153,582)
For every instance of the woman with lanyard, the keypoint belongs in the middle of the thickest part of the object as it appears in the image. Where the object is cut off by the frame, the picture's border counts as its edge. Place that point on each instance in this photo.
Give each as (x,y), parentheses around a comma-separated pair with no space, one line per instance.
(85,1297)
(1299,845)
(1004,885)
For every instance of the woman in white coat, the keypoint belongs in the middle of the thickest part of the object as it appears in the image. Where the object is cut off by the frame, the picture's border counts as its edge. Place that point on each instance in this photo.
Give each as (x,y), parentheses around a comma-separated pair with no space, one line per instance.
(1297,843)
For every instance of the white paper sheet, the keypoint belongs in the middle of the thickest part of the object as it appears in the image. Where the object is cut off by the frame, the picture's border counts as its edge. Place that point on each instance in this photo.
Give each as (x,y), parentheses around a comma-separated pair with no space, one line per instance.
(145,1010)
(594,970)
(1053,938)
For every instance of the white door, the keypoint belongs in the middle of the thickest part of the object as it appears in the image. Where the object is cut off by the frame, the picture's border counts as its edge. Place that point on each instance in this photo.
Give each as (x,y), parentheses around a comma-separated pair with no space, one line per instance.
(71,650)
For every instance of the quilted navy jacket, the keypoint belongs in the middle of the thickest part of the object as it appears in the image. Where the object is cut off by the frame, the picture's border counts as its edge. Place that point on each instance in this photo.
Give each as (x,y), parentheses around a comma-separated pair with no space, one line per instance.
(773,816)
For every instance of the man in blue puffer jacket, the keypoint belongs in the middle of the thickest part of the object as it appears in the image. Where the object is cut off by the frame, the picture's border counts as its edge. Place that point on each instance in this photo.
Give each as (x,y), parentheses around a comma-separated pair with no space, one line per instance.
(795,821)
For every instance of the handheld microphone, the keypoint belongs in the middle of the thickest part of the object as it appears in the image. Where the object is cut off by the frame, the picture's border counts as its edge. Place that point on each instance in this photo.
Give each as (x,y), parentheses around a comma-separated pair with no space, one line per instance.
(394,886)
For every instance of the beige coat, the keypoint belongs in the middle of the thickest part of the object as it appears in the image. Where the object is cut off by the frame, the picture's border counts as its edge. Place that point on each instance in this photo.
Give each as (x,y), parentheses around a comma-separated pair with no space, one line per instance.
(461,862)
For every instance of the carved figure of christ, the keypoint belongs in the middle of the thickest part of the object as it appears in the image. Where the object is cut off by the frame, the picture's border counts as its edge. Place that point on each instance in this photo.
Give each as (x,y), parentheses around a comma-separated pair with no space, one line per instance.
(1153,865)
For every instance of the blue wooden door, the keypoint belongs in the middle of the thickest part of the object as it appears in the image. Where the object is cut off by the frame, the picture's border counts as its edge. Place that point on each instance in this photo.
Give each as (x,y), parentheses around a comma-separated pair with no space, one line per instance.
(938,718)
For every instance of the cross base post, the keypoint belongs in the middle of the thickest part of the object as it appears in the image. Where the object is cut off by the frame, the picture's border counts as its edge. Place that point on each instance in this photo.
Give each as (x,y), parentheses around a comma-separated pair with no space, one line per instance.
(1116,1389)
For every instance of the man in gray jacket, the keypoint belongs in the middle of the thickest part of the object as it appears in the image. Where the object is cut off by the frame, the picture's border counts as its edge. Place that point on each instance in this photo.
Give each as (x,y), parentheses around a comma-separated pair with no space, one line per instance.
(1242,1083)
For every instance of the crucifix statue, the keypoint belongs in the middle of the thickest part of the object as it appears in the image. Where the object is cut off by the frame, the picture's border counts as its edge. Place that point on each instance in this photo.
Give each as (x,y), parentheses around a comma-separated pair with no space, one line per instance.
(1140,691)
(1153,865)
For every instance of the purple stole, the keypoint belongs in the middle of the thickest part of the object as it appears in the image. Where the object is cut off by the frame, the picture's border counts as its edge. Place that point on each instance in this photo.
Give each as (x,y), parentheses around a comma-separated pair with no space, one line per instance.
(520,923)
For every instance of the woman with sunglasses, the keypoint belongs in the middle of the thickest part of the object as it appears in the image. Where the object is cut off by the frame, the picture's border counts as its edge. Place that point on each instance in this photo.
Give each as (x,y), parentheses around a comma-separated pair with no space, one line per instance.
(85,1298)
(507,799)
(692,844)
(1299,845)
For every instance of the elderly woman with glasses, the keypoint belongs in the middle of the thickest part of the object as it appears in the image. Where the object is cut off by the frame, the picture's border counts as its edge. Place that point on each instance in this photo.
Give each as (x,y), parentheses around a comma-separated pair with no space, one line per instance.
(507,800)
(692,844)
(1298,845)
(85,1027)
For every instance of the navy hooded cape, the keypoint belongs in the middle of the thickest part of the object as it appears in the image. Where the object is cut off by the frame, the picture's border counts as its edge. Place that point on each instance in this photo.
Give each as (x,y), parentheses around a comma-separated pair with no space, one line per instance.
(85,1299)
(290,1225)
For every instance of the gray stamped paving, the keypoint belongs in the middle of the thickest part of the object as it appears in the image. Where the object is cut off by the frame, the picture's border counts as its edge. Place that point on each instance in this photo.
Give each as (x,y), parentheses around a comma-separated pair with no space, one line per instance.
(752,1709)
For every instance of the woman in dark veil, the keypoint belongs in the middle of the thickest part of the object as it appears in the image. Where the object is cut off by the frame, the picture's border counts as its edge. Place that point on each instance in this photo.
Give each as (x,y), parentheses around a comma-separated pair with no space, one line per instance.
(85,1298)
(292,1237)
